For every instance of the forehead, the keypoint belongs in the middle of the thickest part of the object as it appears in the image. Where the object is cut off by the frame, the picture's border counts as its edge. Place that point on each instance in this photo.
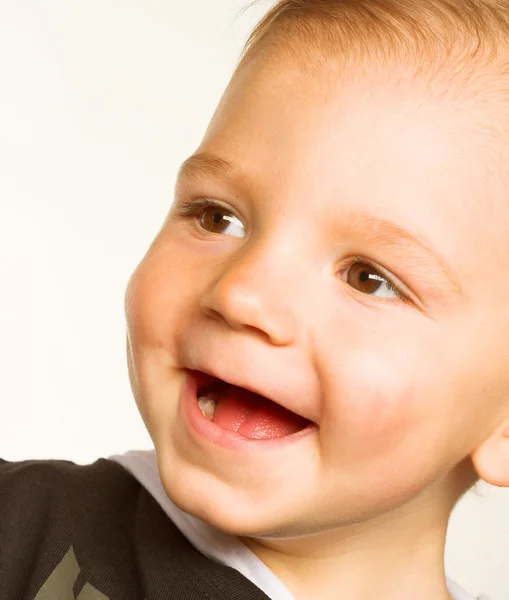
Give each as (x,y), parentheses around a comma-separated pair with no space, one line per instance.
(370,139)
(274,117)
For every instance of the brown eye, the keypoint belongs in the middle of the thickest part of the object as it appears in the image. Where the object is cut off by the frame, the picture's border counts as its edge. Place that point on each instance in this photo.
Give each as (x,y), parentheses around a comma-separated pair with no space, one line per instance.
(366,279)
(217,220)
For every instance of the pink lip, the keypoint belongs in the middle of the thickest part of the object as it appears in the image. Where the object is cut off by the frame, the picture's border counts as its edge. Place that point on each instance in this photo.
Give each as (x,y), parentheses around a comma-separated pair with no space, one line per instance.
(203,429)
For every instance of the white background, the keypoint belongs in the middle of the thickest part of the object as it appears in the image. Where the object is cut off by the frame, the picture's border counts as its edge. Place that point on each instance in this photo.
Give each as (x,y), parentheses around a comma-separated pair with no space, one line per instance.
(100,101)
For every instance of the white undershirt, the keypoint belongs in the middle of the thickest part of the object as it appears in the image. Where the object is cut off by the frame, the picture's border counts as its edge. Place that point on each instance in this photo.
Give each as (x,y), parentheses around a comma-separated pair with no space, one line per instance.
(215,544)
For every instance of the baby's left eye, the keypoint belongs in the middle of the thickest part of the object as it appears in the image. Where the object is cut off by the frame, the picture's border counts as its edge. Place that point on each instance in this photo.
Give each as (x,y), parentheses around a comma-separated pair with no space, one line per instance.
(368,280)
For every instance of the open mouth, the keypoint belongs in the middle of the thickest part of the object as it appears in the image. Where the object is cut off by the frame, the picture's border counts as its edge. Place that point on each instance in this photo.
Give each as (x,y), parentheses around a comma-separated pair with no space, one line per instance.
(236,409)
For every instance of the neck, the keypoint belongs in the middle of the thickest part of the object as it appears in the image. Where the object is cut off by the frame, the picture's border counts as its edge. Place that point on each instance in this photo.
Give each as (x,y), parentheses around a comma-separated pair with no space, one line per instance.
(397,555)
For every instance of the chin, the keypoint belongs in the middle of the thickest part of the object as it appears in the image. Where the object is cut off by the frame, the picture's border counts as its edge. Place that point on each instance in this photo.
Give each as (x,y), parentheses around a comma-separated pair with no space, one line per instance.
(223,506)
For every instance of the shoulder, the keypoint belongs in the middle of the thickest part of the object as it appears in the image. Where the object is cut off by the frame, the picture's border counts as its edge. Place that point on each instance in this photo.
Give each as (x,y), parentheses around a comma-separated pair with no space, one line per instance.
(42,493)
(58,517)
(27,470)
(36,480)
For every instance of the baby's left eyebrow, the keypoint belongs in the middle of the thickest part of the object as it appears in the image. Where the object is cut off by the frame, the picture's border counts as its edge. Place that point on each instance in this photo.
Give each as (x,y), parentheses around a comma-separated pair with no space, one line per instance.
(382,232)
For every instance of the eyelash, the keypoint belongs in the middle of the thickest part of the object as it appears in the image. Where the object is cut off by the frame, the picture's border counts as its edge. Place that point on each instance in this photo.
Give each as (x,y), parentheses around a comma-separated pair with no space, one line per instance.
(188,210)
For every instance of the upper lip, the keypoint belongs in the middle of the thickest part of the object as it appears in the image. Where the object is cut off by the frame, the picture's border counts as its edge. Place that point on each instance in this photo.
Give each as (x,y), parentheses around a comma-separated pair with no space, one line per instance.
(242,384)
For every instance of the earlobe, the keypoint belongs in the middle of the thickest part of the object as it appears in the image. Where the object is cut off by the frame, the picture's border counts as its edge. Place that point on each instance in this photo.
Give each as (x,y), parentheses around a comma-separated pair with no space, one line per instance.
(491,458)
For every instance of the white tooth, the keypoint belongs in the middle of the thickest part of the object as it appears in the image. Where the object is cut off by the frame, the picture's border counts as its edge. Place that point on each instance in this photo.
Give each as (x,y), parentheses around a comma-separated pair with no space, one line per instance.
(207,406)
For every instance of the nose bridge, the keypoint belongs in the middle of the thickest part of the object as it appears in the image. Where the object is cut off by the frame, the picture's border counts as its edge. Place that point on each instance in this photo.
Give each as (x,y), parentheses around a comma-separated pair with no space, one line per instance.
(256,288)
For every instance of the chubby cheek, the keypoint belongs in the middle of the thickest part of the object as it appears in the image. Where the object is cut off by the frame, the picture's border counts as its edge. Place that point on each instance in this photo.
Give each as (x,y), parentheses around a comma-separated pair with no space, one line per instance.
(386,401)
(160,300)
(373,399)
(159,289)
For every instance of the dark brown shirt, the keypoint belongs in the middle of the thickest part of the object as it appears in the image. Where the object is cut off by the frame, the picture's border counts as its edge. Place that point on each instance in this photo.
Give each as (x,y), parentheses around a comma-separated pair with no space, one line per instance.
(92,532)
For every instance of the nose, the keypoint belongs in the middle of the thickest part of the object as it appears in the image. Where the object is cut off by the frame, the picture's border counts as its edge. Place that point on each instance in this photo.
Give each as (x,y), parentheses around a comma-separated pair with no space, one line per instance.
(252,292)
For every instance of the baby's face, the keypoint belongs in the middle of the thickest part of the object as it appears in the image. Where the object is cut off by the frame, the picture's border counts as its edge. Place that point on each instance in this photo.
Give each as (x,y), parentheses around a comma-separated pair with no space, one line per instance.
(354,273)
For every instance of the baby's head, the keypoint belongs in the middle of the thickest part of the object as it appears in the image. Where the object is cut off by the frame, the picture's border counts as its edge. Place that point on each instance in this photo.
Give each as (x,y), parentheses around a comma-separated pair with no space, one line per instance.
(337,244)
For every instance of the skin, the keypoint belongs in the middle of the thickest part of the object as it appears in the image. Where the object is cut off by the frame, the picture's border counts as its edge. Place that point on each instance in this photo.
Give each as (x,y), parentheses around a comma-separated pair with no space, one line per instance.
(410,398)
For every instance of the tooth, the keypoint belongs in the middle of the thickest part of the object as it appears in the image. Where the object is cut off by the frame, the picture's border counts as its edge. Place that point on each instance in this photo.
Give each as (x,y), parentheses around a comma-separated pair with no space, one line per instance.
(207,406)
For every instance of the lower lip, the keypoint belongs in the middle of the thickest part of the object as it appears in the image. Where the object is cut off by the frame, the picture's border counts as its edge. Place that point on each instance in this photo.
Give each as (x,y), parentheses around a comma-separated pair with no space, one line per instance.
(207,430)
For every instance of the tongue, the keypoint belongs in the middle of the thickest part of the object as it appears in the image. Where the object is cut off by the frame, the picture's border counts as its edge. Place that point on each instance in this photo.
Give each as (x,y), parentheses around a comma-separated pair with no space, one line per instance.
(254,416)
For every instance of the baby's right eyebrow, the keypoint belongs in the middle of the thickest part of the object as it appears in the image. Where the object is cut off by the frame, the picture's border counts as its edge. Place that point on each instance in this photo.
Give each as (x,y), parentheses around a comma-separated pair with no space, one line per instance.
(206,165)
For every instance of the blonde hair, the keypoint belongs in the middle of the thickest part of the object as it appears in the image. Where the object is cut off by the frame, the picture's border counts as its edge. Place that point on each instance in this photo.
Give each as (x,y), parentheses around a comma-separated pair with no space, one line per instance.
(442,39)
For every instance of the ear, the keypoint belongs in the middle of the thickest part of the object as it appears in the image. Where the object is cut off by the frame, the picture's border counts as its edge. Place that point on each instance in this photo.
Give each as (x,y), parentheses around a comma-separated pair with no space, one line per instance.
(491,458)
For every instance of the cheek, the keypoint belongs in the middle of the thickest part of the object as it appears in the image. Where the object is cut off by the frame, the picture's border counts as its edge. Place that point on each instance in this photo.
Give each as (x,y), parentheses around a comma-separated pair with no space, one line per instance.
(381,434)
(159,293)
(383,392)
(373,400)
(159,303)
(159,299)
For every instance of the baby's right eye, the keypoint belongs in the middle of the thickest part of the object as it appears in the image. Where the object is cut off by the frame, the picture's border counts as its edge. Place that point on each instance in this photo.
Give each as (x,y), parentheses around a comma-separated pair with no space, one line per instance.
(216,219)
(209,216)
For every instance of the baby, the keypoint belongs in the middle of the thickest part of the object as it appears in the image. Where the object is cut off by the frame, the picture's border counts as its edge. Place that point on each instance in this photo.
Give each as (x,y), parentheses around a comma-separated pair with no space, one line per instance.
(317,337)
